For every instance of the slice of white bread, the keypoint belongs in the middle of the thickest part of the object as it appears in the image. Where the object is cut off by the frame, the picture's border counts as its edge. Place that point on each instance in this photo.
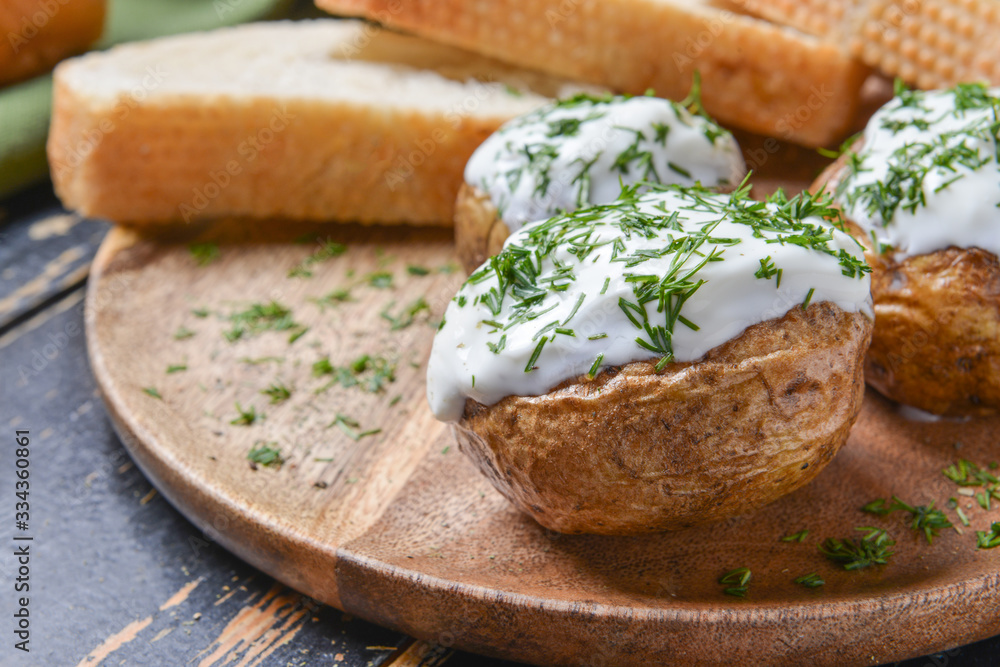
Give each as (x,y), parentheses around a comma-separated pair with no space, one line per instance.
(755,75)
(39,33)
(324,119)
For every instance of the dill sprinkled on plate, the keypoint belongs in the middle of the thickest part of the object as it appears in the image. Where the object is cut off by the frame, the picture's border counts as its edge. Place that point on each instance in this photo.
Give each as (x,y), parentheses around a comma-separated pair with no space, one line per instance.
(990,539)
(351,428)
(246,417)
(796,537)
(176,368)
(406,316)
(369,373)
(924,518)
(278,392)
(152,391)
(327,250)
(811,580)
(183,333)
(204,253)
(736,582)
(266,454)
(874,548)
(271,316)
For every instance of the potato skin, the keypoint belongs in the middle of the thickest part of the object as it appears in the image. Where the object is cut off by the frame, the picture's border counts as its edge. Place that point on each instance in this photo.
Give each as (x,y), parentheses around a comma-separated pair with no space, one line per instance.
(936,342)
(479,231)
(635,451)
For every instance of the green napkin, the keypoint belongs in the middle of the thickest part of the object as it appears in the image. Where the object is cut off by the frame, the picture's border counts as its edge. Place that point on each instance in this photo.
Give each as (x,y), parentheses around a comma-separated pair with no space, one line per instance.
(25,107)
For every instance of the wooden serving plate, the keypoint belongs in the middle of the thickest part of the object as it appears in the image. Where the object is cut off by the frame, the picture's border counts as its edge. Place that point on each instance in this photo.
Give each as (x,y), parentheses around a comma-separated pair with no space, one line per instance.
(399,528)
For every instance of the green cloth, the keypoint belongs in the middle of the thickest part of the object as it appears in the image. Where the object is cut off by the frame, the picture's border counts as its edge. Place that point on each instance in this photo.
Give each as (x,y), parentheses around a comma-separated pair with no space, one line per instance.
(25,107)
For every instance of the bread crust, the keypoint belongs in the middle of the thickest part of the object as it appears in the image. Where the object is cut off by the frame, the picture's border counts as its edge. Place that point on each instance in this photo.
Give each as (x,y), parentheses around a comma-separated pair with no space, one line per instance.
(39,34)
(636,451)
(936,342)
(755,75)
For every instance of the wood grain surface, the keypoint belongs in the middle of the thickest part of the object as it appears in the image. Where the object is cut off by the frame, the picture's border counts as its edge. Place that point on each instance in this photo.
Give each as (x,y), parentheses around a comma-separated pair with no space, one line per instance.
(398,528)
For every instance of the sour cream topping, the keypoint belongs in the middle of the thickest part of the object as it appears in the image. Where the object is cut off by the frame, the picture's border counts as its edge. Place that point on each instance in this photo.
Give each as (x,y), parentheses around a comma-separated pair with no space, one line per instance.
(580,150)
(667,275)
(927,176)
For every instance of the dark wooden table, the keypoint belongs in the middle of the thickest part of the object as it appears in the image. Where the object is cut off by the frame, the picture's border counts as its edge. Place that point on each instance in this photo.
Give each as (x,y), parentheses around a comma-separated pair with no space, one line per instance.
(117,576)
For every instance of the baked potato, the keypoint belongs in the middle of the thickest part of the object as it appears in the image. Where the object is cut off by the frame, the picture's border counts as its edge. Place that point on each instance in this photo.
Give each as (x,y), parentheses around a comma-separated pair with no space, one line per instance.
(635,450)
(579,423)
(936,341)
(581,151)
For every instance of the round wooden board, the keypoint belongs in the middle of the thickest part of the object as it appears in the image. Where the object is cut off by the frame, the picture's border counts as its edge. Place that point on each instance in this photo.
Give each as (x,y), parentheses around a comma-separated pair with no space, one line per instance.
(399,528)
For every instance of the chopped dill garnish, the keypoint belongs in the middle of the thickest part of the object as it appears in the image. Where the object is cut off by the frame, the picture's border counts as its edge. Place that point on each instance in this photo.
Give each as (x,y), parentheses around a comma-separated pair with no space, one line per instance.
(271,316)
(811,580)
(201,313)
(262,453)
(874,548)
(368,373)
(278,392)
(183,333)
(406,316)
(152,391)
(417,270)
(327,250)
(204,253)
(176,368)
(736,582)
(924,518)
(796,537)
(351,428)
(989,540)
(246,417)
(380,280)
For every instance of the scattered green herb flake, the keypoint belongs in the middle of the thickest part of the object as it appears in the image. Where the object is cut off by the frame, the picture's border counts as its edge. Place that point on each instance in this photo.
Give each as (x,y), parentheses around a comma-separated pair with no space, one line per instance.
(874,548)
(809,296)
(152,391)
(323,460)
(327,250)
(246,417)
(334,298)
(446,449)
(295,335)
(811,580)
(417,270)
(351,428)
(263,453)
(512,91)
(961,516)
(380,280)
(924,518)
(176,368)
(262,360)
(736,582)
(200,312)
(983,499)
(271,316)
(278,392)
(796,537)
(989,540)
(183,333)
(395,399)
(204,253)
(406,316)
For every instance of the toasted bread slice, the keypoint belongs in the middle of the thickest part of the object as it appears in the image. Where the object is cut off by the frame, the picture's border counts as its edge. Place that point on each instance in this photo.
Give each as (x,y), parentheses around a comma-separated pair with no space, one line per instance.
(324,120)
(755,75)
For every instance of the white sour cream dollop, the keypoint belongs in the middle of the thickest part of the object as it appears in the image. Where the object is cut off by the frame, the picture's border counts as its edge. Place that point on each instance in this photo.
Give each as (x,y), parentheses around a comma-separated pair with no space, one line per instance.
(554,304)
(579,151)
(927,176)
